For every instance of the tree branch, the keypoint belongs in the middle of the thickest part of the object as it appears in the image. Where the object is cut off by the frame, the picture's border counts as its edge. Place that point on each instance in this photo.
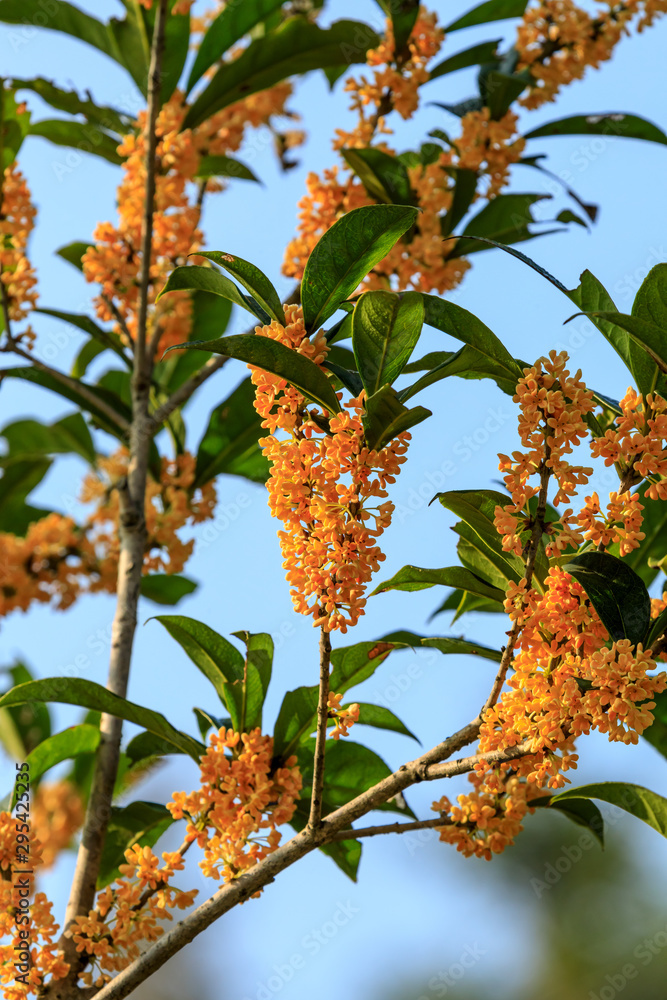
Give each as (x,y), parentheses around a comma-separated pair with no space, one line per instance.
(185,391)
(373,831)
(132,533)
(321,736)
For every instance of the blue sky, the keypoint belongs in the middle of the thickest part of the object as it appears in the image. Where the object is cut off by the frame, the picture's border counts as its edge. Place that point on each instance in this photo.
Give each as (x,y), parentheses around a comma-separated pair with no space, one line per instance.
(418,905)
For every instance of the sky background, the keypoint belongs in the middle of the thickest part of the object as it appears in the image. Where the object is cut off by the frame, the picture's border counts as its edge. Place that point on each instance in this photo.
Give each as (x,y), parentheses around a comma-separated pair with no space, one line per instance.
(418,905)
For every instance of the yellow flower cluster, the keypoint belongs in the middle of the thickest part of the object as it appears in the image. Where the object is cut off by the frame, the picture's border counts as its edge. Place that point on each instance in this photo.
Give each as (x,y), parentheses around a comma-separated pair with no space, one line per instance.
(17,220)
(320,483)
(344,718)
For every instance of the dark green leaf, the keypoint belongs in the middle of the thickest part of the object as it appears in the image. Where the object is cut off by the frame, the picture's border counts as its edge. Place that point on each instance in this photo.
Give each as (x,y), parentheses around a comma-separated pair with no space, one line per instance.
(73,252)
(415,578)
(504,219)
(166,588)
(651,550)
(448,645)
(345,254)
(141,823)
(384,176)
(648,335)
(252,279)
(69,101)
(106,338)
(33,438)
(271,356)
(465,188)
(346,376)
(87,694)
(231,24)
(30,722)
(296,46)
(381,718)
(474,56)
(62,746)
(500,90)
(580,811)
(195,277)
(403,14)
(225,166)
(656,734)
(634,799)
(491,10)
(468,363)
(386,417)
(461,602)
(617,124)
(230,443)
(145,746)
(84,137)
(62,17)
(19,478)
(616,592)
(219,661)
(524,258)
(257,676)
(385,330)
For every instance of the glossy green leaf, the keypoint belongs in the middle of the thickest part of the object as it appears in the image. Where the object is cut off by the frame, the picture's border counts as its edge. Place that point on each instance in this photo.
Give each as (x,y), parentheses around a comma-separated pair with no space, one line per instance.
(296,46)
(466,327)
(196,277)
(648,335)
(63,17)
(166,588)
(384,176)
(416,578)
(484,13)
(257,676)
(616,592)
(448,645)
(486,557)
(465,188)
(73,252)
(385,330)
(386,417)
(29,722)
(231,24)
(403,14)
(252,279)
(62,746)
(505,219)
(617,124)
(274,357)
(474,56)
(634,799)
(34,439)
(225,166)
(500,91)
(230,442)
(381,718)
(468,363)
(87,694)
(219,661)
(141,823)
(462,602)
(345,254)
(78,135)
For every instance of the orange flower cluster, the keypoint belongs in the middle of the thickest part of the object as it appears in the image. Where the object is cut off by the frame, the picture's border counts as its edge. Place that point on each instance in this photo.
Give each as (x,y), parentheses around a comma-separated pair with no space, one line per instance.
(344,718)
(557,41)
(487,146)
(128,913)
(115,261)
(17,220)
(621,524)
(57,560)
(639,441)
(243,799)
(554,405)
(56,813)
(319,486)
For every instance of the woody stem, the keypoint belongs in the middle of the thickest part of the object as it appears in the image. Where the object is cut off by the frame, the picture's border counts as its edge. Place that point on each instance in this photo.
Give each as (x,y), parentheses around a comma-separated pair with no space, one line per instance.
(320,740)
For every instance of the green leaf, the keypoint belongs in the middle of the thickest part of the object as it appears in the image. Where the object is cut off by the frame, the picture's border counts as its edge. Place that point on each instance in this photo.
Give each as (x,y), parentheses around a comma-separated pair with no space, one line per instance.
(105,338)
(491,10)
(474,56)
(386,417)
(469,363)
(34,439)
(381,718)
(403,14)
(580,811)
(73,252)
(505,219)
(63,17)
(271,356)
(19,479)
(219,661)
(648,335)
(14,126)
(296,46)
(448,645)
(256,677)
(166,588)
(656,734)
(634,799)
(523,258)
(384,176)
(69,101)
(461,602)
(345,853)
(233,22)
(84,137)
(196,277)
(500,91)
(252,279)
(346,253)
(297,717)
(346,376)
(657,629)
(30,723)
(415,578)
(87,694)
(62,746)
(616,592)
(465,326)
(230,442)
(619,124)
(225,166)
(140,823)
(486,558)
(465,188)
(385,330)
(70,391)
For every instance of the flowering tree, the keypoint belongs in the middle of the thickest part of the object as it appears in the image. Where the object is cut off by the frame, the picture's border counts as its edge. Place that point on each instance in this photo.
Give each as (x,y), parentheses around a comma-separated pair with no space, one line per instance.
(322,424)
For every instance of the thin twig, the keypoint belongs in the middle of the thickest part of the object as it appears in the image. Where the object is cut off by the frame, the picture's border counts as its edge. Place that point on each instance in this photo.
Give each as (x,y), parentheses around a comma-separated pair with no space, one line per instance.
(321,736)
(374,831)
(185,391)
